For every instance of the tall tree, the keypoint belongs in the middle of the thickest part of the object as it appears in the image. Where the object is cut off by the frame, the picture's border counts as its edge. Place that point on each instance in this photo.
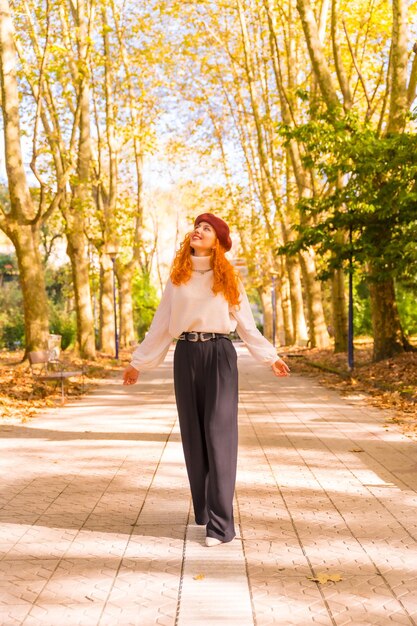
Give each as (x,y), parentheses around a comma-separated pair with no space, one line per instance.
(24,219)
(285,67)
(388,335)
(54,52)
(75,213)
(125,107)
(231,87)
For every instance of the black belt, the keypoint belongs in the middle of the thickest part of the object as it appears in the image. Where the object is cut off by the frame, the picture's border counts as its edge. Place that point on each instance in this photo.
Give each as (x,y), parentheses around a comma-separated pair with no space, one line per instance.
(197,336)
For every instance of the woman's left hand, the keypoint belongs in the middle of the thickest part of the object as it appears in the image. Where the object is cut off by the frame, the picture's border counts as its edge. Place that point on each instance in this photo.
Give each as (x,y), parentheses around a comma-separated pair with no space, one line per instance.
(280,368)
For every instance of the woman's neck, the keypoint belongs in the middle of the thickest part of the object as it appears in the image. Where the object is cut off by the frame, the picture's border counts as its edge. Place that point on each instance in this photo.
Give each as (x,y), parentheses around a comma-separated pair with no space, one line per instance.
(200,262)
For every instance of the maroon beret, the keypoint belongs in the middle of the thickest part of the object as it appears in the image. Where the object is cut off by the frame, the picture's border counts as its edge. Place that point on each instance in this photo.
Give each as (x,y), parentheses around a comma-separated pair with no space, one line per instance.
(221,228)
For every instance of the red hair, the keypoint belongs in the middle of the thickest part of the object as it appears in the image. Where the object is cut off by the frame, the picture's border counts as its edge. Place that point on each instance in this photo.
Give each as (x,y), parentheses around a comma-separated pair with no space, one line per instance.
(225,277)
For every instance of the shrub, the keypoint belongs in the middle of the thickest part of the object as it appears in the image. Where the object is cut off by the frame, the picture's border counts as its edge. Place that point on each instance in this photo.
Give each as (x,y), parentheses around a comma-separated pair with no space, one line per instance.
(64,324)
(12,325)
(145,302)
(406,300)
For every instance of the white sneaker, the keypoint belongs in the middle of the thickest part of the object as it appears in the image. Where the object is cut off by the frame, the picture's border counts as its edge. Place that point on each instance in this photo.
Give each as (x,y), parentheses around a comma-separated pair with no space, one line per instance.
(212,541)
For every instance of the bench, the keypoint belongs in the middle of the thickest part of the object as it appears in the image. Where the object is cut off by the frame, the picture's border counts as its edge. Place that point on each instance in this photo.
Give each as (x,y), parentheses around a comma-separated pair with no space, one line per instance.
(45,367)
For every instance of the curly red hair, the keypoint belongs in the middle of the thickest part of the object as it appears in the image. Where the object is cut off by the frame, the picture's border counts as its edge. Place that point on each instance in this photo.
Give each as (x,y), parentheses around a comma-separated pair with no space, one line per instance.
(225,277)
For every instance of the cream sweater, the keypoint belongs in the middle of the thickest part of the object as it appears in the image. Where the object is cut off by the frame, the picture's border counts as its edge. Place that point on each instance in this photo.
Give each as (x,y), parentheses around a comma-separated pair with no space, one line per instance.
(194,307)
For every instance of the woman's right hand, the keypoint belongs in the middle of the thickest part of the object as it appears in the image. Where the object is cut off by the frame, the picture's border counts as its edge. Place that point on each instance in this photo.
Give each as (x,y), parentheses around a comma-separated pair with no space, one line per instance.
(130,375)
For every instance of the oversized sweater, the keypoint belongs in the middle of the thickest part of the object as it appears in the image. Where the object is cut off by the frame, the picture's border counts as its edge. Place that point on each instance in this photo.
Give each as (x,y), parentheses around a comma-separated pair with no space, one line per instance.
(194,307)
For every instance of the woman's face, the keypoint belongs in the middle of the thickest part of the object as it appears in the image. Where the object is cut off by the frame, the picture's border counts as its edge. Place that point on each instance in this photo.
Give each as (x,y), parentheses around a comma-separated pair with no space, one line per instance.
(203,238)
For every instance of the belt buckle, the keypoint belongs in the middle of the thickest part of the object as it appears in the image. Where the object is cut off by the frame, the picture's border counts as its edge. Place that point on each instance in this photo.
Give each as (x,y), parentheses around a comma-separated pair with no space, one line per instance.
(202,338)
(192,333)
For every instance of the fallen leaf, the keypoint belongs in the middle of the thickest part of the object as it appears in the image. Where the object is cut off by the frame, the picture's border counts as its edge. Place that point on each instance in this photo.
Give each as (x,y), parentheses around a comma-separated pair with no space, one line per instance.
(322,578)
(199,577)
(356,450)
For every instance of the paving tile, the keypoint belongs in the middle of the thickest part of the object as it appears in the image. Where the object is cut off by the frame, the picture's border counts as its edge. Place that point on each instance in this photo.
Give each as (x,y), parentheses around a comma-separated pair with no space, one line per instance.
(214,586)
(95,524)
(14,614)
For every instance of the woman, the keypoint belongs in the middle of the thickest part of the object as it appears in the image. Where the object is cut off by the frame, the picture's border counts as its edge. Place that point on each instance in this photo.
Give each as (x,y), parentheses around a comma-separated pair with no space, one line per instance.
(203,302)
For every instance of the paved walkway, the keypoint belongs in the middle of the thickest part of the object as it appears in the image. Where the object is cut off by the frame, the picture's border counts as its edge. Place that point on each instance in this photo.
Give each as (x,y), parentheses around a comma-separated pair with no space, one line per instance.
(96,530)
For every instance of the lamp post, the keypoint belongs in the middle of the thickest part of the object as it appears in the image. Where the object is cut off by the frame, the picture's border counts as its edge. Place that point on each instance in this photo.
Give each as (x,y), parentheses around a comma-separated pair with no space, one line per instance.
(351,359)
(112,249)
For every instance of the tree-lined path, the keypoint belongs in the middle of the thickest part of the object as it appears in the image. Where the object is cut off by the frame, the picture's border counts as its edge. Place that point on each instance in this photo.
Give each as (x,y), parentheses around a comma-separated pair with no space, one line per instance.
(95,527)
(295,121)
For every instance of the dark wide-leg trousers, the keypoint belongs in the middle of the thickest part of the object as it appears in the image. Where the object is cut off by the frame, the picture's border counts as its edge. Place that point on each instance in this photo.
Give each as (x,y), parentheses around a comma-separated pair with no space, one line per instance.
(206,390)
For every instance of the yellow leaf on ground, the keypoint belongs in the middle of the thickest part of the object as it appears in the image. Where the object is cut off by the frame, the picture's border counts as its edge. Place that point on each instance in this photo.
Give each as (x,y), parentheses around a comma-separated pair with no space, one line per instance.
(199,577)
(322,578)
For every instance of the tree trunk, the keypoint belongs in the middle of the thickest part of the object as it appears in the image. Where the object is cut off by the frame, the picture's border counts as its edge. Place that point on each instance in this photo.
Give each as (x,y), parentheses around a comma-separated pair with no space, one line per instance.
(389,338)
(127,327)
(399,60)
(286,311)
(77,252)
(342,75)
(107,338)
(319,335)
(31,276)
(318,60)
(77,248)
(22,222)
(388,335)
(280,328)
(317,325)
(266,301)
(300,336)
(56,132)
(339,311)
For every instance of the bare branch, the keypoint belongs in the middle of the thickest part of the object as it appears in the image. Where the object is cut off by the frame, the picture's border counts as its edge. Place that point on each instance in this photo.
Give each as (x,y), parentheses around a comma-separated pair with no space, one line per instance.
(340,70)
(386,94)
(412,83)
(318,59)
(357,68)
(38,113)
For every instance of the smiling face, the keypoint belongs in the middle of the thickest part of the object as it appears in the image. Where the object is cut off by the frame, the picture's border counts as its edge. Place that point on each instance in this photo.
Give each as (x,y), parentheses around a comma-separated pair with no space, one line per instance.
(203,239)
